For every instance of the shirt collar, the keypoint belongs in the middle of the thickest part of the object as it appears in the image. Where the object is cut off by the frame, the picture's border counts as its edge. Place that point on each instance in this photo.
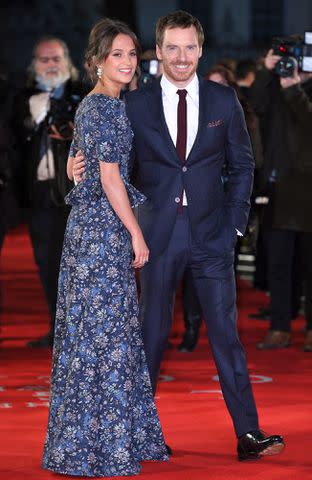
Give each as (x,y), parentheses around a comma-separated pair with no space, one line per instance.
(170,90)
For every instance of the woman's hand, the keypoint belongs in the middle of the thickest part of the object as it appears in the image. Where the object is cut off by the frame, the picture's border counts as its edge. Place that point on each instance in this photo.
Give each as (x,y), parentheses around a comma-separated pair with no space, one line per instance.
(140,249)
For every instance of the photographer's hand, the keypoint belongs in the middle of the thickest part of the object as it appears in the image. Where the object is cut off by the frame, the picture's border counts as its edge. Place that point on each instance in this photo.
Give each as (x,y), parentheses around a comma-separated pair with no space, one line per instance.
(290,81)
(270,60)
(56,134)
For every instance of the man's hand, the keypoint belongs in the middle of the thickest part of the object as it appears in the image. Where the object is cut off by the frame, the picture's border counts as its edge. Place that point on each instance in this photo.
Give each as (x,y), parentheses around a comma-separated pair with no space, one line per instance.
(78,166)
(270,60)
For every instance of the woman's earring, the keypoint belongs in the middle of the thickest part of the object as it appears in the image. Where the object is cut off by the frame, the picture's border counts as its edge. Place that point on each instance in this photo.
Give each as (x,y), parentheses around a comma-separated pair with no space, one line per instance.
(99,71)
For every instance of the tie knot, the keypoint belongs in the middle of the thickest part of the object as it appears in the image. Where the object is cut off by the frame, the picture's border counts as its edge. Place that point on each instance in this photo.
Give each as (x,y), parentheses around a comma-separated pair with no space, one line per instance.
(182,94)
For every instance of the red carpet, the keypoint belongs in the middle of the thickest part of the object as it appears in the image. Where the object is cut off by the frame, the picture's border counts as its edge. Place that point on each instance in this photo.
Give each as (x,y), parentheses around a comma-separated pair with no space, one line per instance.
(194,418)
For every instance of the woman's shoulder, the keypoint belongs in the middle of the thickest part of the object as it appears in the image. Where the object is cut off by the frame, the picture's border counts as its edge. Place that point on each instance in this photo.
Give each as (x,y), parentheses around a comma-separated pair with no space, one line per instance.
(101,106)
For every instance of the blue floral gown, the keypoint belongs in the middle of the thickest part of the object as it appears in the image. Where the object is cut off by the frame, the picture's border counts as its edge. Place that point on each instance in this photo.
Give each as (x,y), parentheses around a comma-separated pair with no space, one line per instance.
(102,420)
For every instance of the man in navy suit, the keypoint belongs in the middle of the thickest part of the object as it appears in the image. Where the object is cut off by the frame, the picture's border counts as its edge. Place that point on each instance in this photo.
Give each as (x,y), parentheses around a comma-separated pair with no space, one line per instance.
(185,128)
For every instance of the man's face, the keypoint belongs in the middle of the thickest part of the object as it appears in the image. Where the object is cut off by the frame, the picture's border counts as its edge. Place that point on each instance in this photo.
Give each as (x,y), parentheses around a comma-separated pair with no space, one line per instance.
(51,67)
(180,52)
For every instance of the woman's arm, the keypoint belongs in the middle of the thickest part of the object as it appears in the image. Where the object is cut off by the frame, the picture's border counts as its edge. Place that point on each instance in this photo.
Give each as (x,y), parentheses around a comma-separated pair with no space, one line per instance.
(69,168)
(116,193)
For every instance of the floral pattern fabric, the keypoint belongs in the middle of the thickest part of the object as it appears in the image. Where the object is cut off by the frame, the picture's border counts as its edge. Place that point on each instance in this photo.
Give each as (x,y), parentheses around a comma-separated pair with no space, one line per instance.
(102,420)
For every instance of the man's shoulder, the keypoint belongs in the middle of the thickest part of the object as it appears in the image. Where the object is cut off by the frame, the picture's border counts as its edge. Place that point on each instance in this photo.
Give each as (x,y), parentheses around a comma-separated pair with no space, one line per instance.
(150,89)
(218,90)
(25,91)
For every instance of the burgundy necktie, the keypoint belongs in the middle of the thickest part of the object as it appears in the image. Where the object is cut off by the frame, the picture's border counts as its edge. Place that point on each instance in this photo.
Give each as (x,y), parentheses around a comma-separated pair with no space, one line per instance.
(181,130)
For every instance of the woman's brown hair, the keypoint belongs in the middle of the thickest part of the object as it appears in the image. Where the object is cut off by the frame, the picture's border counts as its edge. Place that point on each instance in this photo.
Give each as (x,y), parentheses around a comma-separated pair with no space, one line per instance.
(100,42)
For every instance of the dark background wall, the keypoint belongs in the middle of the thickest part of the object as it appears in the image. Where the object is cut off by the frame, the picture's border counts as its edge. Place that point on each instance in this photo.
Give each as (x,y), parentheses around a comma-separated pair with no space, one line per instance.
(232,27)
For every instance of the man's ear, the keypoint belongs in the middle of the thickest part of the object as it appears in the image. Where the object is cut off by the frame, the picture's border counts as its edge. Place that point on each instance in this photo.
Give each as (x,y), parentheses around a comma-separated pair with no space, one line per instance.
(158,53)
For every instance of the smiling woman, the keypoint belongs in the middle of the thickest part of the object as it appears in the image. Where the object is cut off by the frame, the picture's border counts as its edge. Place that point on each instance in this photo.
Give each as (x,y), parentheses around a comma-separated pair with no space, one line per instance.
(101,40)
(103,420)
(118,67)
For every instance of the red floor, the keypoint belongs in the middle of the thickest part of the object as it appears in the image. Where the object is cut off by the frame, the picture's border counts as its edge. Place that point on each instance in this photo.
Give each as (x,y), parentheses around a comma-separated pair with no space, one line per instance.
(193,414)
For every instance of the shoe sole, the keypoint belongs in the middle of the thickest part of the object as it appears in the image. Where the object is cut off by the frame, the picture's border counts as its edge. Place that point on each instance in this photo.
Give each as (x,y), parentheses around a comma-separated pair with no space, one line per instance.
(273,450)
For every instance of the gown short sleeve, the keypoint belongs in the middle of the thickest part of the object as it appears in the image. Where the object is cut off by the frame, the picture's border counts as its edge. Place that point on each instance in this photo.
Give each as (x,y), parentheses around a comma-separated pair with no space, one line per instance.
(107,141)
(103,133)
(73,147)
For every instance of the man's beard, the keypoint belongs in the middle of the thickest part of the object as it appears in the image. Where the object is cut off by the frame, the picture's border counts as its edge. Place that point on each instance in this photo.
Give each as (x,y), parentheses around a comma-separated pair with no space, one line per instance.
(53,82)
(168,68)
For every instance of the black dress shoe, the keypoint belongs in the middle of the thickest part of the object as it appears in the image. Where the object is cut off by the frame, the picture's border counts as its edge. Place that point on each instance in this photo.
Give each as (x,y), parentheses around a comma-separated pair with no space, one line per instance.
(255,444)
(189,342)
(42,342)
(169,451)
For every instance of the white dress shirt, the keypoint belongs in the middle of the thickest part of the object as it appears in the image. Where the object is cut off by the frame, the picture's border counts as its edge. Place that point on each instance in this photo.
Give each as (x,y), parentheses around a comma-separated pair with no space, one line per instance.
(170,100)
(39,105)
(45,170)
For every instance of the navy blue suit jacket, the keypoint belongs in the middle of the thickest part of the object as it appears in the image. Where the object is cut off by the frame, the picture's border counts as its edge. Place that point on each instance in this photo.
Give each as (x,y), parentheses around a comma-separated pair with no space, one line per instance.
(222,136)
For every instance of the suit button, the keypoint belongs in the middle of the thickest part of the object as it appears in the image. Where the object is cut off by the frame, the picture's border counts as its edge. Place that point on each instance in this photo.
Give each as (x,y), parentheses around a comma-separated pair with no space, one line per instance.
(184,169)
(177,200)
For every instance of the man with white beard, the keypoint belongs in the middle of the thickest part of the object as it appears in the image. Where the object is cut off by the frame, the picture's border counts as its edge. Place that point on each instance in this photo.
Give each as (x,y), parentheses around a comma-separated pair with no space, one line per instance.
(43,123)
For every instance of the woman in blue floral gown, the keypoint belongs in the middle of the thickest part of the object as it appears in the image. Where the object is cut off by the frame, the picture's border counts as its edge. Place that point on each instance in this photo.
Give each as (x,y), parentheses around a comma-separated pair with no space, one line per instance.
(103,420)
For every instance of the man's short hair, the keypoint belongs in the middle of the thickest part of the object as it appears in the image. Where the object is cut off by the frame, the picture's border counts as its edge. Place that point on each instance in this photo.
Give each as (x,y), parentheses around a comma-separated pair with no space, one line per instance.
(178,19)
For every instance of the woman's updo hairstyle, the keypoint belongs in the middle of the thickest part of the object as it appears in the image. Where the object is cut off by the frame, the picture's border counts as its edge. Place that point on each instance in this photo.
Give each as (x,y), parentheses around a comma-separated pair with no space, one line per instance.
(100,43)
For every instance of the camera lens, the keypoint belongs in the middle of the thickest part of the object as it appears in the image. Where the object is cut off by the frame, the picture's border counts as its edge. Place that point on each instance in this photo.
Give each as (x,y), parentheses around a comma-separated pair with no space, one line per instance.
(285,66)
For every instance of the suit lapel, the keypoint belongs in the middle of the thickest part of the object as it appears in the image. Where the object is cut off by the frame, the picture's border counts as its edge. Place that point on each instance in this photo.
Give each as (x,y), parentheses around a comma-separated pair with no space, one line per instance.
(156,110)
(202,114)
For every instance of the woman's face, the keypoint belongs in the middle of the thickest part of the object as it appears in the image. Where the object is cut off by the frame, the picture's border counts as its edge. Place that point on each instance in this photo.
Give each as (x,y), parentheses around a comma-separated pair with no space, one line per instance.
(120,65)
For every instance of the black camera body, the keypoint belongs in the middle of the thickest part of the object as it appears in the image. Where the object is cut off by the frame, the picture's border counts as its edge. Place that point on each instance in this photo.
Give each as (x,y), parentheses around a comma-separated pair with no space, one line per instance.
(295,52)
(61,113)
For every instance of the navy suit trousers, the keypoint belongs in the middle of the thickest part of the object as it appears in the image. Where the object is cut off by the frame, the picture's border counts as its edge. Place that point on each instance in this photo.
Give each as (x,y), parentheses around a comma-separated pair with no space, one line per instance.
(215,285)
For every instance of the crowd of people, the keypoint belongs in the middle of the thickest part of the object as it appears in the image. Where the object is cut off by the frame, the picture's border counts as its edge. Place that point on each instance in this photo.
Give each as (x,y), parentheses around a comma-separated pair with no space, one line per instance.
(191,143)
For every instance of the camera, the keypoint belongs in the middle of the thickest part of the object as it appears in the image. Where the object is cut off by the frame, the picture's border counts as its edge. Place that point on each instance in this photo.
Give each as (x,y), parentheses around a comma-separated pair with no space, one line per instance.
(61,113)
(149,71)
(295,51)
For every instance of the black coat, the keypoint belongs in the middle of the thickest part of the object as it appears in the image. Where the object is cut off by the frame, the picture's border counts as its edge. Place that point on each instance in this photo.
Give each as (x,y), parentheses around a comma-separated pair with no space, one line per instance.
(8,205)
(286,121)
(29,140)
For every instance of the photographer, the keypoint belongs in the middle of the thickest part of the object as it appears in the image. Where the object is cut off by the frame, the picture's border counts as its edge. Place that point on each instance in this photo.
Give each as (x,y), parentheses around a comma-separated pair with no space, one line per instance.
(284,104)
(43,122)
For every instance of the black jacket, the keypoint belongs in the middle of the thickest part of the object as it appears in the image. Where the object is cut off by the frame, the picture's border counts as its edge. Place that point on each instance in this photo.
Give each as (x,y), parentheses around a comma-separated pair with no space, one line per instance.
(285,120)
(29,137)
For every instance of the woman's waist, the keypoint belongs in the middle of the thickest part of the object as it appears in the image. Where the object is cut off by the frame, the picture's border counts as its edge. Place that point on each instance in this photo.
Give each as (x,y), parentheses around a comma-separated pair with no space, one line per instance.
(90,189)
